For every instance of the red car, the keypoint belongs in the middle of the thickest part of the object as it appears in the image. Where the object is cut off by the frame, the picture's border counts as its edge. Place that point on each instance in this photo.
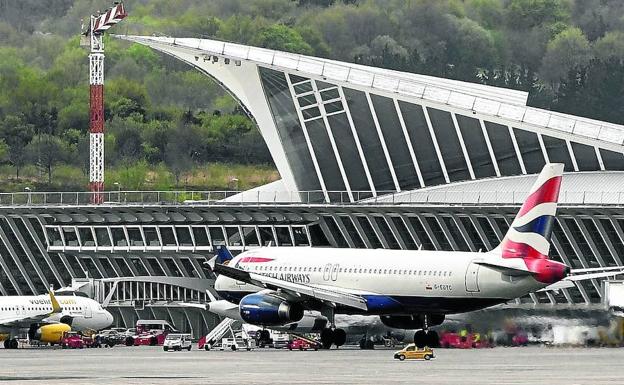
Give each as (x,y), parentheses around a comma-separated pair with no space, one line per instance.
(301,344)
(72,340)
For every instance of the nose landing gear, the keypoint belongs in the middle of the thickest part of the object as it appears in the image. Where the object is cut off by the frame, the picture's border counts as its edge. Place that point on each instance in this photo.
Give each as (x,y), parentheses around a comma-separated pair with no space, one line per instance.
(10,344)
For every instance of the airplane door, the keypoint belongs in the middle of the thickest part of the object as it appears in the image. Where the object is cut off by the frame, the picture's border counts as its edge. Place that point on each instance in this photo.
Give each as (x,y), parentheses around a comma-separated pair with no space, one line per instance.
(88,311)
(334,272)
(472,278)
(327,272)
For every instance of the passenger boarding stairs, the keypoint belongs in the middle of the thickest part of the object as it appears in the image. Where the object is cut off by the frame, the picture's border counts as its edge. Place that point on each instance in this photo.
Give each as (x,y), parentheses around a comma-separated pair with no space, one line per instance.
(219,331)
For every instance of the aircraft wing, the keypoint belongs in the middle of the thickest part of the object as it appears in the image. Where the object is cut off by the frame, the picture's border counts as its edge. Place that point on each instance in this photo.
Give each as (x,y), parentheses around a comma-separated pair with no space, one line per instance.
(334,295)
(23,321)
(584,274)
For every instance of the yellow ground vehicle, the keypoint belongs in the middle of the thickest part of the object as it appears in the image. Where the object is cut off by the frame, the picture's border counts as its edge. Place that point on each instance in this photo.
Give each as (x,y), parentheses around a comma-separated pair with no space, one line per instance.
(411,352)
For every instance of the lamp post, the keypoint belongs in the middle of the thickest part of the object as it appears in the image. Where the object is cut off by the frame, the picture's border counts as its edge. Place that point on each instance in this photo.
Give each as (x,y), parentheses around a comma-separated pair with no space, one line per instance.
(28,190)
(234,183)
(118,191)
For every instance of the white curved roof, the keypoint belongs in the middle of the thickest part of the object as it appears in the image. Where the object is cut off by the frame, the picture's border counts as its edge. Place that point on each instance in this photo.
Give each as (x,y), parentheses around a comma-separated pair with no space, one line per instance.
(595,187)
(493,101)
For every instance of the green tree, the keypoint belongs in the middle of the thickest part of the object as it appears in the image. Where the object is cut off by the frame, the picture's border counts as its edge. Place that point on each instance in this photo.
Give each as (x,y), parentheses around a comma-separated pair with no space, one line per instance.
(47,151)
(610,46)
(17,135)
(568,50)
(283,38)
(181,151)
(525,14)
(4,151)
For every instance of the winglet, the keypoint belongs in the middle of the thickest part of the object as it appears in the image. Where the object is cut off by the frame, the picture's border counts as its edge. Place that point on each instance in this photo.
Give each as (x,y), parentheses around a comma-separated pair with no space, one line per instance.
(224,255)
(56,307)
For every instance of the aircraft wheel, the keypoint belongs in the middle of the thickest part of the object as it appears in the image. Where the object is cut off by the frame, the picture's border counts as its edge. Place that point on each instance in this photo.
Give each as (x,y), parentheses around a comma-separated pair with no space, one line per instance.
(189,348)
(432,340)
(6,344)
(327,338)
(420,339)
(340,337)
(207,347)
(14,344)
(153,341)
(401,357)
(129,341)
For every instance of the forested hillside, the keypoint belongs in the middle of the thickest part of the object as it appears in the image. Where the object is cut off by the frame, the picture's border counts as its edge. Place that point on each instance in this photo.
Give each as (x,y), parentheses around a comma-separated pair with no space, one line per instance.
(168,126)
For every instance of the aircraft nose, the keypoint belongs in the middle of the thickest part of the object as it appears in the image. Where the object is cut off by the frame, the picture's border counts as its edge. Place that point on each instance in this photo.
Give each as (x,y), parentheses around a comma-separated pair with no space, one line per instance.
(109,317)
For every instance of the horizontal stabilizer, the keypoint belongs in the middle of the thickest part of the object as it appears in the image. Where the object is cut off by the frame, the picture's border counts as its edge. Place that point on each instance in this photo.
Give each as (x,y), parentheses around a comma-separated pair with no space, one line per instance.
(585,274)
(505,267)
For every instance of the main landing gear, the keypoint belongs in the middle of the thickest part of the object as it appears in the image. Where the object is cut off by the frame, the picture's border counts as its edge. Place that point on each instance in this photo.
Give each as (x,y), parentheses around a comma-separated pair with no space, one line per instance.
(332,336)
(428,338)
(10,344)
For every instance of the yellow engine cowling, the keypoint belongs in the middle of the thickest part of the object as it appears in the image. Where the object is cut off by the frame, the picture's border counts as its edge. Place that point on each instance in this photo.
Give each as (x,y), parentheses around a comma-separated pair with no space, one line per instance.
(51,334)
(4,336)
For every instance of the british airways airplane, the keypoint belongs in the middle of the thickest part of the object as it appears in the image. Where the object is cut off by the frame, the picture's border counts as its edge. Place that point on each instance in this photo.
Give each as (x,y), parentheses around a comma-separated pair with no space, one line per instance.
(407,289)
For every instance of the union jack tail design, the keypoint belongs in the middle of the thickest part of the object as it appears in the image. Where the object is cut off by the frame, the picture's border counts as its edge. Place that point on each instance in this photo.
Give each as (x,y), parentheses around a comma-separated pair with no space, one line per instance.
(529,234)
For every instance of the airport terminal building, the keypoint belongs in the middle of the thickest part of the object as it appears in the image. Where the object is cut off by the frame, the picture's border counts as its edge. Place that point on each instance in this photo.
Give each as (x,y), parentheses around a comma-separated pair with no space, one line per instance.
(368,158)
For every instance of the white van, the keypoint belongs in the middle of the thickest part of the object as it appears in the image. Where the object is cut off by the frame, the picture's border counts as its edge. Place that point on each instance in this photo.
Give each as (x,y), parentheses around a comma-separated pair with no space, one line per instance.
(175,341)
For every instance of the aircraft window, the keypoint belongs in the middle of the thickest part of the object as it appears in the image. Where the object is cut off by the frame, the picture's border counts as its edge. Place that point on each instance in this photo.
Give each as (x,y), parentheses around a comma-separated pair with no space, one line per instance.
(385,271)
(449,273)
(435,273)
(375,271)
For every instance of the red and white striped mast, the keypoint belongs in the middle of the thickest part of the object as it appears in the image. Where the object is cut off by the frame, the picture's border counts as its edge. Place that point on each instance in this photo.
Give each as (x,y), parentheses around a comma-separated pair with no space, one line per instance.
(98,25)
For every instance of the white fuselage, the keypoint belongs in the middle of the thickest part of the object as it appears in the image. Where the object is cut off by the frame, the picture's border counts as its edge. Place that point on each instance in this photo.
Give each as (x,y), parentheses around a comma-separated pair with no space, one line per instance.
(432,281)
(84,313)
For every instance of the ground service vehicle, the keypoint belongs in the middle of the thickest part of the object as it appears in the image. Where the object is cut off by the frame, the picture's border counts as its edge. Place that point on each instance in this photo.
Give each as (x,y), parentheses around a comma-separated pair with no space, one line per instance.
(412,352)
(237,344)
(150,338)
(301,344)
(178,342)
(72,340)
(110,338)
(150,332)
(469,341)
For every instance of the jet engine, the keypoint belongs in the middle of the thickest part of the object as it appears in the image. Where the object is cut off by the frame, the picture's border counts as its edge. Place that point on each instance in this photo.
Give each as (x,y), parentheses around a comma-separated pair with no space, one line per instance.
(269,310)
(51,333)
(412,322)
